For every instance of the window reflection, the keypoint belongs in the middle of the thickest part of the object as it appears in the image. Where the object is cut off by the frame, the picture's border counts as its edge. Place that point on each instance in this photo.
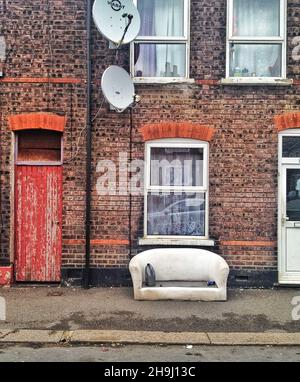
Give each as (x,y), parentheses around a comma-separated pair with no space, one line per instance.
(291,147)
(293,194)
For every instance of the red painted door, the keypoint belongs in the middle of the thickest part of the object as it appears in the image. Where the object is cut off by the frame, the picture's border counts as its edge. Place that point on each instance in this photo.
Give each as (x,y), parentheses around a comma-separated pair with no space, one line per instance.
(38,223)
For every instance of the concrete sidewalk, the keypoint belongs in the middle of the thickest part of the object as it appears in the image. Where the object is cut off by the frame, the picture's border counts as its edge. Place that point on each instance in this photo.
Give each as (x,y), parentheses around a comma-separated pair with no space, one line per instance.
(84,337)
(111,315)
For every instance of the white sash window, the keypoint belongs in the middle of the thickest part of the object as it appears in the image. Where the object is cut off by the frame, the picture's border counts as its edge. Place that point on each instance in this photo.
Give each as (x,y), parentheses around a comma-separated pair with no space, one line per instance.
(256,40)
(162,48)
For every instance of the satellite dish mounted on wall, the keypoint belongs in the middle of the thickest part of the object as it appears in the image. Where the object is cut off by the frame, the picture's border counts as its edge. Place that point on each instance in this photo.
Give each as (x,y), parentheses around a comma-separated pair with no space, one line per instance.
(118,89)
(117,20)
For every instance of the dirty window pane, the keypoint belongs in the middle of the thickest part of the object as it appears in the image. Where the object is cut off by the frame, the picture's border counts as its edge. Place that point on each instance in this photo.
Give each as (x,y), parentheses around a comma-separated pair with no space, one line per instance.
(293,194)
(176,166)
(163,18)
(255,60)
(160,60)
(176,214)
(256,18)
(291,147)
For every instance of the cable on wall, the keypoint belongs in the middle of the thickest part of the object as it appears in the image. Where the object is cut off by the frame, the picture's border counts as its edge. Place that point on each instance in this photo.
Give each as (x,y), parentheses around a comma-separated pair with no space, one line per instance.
(50,54)
(130,189)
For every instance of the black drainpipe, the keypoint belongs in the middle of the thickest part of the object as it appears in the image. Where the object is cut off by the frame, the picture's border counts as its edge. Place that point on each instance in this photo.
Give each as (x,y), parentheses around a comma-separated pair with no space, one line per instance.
(86,273)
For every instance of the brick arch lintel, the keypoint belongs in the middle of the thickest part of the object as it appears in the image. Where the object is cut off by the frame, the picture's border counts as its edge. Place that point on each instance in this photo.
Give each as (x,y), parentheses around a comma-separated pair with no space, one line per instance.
(287,121)
(41,121)
(187,130)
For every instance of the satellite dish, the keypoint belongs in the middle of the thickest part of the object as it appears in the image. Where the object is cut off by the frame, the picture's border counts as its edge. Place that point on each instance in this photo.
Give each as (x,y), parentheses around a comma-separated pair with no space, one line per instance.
(118,20)
(118,89)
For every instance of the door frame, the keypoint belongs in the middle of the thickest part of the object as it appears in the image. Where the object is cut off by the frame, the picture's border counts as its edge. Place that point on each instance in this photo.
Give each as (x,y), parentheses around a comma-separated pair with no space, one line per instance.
(283,165)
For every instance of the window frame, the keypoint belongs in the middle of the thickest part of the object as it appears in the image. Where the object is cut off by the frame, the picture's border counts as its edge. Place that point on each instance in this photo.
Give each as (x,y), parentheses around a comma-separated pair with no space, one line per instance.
(285,160)
(257,40)
(176,143)
(185,40)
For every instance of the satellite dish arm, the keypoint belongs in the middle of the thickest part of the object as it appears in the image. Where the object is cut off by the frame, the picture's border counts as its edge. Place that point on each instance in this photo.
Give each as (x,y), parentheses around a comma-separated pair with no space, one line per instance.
(130,18)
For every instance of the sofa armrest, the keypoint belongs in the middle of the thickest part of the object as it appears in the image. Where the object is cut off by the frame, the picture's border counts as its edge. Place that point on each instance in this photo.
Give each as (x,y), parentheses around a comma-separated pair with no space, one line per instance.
(220,274)
(136,275)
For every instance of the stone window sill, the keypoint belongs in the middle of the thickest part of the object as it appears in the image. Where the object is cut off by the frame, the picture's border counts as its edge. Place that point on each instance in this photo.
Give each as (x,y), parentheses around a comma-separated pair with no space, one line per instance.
(188,242)
(257,81)
(161,81)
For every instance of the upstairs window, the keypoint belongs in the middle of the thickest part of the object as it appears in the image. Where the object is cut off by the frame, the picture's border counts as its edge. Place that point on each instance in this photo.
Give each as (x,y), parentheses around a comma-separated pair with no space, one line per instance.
(256,44)
(162,48)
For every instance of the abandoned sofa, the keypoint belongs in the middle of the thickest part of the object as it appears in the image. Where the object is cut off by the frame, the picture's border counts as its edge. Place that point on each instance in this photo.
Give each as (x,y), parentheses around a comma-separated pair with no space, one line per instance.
(180,274)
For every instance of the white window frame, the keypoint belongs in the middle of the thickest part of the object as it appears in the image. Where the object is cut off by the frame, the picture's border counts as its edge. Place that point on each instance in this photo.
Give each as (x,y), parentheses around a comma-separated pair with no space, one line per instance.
(177,143)
(282,159)
(167,40)
(282,40)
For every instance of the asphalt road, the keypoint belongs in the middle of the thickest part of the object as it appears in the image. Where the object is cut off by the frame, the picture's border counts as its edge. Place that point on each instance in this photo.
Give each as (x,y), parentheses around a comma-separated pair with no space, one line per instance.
(149,354)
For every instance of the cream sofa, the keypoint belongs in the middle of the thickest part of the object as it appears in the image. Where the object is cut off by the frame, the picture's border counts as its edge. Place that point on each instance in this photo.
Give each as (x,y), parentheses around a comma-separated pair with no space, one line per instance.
(180,275)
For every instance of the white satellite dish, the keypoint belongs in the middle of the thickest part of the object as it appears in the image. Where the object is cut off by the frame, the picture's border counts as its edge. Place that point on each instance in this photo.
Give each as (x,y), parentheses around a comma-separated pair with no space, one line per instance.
(118,20)
(118,89)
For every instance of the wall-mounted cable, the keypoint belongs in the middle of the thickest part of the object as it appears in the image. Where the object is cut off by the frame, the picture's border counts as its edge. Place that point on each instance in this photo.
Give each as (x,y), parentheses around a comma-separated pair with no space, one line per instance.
(50,53)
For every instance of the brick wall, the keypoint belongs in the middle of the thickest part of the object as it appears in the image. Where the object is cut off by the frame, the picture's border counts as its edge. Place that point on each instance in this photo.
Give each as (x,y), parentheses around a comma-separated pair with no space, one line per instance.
(243,157)
(46,39)
(243,153)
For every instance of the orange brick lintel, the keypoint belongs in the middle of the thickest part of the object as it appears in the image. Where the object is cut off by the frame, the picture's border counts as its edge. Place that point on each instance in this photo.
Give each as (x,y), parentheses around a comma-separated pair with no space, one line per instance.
(40,80)
(107,242)
(249,243)
(287,121)
(169,129)
(45,121)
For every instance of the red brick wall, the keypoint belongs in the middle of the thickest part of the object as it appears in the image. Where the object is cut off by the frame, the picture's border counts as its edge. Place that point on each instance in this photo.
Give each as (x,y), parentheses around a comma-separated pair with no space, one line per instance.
(42,47)
(243,156)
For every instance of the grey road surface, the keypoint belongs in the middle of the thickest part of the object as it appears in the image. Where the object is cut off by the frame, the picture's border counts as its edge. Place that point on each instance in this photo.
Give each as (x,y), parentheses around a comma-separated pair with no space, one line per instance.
(140,353)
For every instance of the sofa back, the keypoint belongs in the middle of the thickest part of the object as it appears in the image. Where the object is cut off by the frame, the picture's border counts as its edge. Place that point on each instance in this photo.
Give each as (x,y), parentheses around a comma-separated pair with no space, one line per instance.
(175,264)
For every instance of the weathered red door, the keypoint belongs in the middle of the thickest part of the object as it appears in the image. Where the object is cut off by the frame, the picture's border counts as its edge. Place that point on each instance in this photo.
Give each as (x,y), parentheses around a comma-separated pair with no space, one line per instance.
(38,223)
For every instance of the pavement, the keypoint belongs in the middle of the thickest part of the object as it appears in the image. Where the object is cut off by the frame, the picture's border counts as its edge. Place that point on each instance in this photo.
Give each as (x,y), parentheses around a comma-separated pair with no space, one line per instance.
(54,315)
(133,354)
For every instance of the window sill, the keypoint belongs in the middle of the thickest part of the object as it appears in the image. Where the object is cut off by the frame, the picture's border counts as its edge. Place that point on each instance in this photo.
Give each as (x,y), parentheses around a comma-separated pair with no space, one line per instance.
(160,81)
(257,81)
(189,242)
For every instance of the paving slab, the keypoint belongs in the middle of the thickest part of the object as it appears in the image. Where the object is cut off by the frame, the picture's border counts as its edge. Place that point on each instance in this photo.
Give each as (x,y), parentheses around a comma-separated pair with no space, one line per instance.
(138,337)
(248,339)
(31,336)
